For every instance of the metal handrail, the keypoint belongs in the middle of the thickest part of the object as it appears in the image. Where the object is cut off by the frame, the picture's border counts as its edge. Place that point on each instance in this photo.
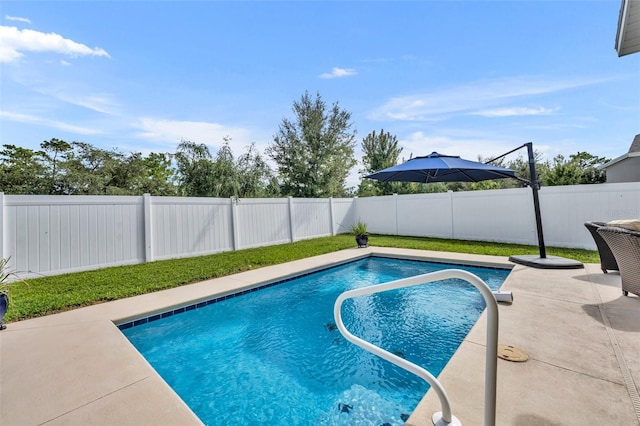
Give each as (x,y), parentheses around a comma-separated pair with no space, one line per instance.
(445,417)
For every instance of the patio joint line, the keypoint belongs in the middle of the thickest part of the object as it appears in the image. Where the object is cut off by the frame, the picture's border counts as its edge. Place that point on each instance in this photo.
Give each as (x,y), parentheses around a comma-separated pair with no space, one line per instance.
(624,369)
(582,373)
(550,364)
(557,299)
(92,401)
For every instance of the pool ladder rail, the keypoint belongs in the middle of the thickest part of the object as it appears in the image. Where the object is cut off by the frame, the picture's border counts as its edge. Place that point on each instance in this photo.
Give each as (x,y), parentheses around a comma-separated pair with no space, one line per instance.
(444,417)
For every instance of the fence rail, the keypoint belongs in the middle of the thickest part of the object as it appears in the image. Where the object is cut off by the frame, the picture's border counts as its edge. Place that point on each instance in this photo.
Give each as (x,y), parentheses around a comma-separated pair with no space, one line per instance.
(57,234)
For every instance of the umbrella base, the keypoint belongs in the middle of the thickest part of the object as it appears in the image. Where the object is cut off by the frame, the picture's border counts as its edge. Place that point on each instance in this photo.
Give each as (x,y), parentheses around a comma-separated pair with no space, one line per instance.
(549,262)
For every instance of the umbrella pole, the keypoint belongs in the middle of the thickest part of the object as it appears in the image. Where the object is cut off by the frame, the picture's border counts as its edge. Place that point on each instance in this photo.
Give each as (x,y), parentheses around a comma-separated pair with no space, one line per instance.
(535,185)
(553,262)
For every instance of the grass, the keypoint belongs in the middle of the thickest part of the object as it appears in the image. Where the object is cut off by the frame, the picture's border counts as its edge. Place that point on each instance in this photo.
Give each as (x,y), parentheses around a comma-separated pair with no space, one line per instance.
(48,295)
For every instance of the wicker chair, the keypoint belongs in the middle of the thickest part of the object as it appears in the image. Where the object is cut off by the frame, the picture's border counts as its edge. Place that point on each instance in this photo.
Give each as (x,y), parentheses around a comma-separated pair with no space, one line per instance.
(625,245)
(607,260)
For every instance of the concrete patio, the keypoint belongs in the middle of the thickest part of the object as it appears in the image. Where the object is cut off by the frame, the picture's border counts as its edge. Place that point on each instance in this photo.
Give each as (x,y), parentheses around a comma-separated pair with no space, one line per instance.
(581,334)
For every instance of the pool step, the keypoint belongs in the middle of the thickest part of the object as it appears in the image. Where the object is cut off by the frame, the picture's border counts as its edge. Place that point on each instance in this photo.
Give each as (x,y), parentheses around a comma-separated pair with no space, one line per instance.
(361,406)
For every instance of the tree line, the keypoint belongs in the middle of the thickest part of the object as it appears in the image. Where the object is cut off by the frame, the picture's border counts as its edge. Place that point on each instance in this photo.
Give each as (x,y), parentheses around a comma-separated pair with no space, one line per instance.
(313,153)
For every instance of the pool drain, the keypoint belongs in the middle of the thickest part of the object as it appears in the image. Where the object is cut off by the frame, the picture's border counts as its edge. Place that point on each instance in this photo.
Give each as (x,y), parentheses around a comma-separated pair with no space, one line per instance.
(511,353)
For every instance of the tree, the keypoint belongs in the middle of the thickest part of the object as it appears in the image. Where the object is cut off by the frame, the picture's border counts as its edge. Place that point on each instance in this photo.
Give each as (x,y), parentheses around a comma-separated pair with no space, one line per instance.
(134,174)
(224,175)
(91,171)
(314,151)
(55,152)
(581,168)
(82,169)
(380,151)
(22,171)
(521,167)
(78,168)
(195,169)
(563,172)
(200,175)
(159,176)
(590,165)
(485,185)
(255,176)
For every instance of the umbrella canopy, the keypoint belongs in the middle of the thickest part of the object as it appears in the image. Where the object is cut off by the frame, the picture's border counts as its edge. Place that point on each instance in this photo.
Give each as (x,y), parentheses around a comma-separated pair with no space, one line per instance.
(441,168)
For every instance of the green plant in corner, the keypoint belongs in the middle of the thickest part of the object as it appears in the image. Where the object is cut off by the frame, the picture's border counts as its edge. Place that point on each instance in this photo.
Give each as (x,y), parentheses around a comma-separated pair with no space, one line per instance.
(359,228)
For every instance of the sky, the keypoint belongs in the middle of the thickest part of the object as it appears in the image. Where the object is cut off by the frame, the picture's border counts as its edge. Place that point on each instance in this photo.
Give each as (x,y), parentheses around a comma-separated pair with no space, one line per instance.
(469,78)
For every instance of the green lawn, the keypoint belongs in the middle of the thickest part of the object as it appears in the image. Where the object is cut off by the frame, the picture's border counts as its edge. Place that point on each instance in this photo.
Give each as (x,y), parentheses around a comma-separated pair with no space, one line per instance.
(47,295)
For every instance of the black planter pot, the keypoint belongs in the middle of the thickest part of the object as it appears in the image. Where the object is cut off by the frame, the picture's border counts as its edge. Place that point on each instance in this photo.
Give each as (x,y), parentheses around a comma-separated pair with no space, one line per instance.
(362,240)
(4,304)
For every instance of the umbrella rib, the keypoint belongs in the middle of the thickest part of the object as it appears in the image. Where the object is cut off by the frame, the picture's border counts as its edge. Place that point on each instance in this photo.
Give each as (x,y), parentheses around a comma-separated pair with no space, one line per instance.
(471,179)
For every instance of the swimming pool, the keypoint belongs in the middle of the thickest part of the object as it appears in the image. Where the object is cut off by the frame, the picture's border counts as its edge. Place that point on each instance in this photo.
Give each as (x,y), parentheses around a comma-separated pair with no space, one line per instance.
(274,355)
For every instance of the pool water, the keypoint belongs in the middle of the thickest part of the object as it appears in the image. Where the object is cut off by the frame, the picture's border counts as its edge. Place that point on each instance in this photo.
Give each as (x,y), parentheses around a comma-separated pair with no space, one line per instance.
(275,356)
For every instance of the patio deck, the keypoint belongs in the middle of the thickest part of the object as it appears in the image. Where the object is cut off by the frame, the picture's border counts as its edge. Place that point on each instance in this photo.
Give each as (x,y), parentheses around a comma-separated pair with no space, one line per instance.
(582,336)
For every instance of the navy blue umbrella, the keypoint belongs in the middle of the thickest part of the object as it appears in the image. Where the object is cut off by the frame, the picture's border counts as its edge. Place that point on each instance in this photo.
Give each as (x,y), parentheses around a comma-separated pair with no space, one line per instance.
(447,168)
(441,168)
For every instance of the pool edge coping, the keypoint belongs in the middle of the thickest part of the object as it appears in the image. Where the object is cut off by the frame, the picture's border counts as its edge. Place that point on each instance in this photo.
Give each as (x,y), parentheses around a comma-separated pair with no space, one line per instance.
(130,321)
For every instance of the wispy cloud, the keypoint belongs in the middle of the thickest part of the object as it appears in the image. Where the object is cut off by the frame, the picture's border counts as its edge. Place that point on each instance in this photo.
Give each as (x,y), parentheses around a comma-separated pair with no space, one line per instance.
(33,119)
(514,111)
(73,92)
(630,107)
(173,131)
(14,42)
(475,96)
(339,72)
(469,145)
(99,103)
(17,19)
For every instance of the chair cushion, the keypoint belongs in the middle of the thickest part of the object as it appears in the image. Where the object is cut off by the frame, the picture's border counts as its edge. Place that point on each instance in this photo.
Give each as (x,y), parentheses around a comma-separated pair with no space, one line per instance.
(630,224)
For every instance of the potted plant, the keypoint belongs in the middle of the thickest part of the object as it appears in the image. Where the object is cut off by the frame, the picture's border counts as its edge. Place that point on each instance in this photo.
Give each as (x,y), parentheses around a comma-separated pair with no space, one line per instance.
(7,277)
(359,229)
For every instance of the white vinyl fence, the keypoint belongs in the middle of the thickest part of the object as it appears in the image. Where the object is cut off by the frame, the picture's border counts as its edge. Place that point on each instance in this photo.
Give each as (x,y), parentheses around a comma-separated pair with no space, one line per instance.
(505,215)
(57,234)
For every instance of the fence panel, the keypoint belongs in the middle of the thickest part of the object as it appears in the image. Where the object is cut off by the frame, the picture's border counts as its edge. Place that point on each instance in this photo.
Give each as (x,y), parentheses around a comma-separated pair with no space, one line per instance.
(497,215)
(54,234)
(425,215)
(190,226)
(311,218)
(566,208)
(343,214)
(263,221)
(379,213)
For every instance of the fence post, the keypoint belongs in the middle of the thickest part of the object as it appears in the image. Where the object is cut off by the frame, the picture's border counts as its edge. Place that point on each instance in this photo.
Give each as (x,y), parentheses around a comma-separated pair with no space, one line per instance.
(148,230)
(1,225)
(291,227)
(450,192)
(395,199)
(333,222)
(234,222)
(355,211)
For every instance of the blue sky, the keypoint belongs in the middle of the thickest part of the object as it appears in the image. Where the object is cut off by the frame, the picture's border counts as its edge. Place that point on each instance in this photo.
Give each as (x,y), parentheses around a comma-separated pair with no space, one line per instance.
(461,78)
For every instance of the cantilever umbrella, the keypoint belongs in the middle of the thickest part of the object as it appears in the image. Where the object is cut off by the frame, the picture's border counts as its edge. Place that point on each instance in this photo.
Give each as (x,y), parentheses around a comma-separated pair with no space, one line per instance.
(447,168)
(441,168)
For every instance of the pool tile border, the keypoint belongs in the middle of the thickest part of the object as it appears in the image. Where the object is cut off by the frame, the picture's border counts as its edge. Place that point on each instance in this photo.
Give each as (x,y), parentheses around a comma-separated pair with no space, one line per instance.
(140,321)
(193,306)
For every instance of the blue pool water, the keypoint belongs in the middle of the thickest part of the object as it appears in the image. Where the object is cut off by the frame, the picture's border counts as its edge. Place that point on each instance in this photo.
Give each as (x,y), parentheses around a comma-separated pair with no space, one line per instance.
(274,356)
